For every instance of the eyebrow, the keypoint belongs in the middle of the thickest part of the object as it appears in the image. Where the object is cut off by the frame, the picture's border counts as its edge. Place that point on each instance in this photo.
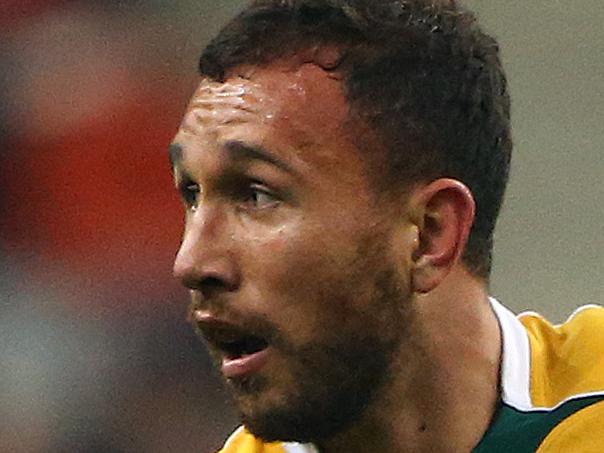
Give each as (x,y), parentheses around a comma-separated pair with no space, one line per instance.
(237,150)
(242,151)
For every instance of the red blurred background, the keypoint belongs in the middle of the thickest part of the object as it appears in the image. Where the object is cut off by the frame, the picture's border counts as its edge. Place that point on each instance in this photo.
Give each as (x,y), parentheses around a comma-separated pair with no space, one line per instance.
(96,354)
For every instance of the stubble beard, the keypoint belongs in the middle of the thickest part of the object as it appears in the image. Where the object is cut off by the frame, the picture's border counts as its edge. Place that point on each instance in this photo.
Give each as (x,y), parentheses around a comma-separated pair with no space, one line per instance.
(337,377)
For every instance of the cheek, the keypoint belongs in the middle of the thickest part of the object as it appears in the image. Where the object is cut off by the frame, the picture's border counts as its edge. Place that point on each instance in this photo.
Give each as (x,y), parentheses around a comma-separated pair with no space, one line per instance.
(287,265)
(308,285)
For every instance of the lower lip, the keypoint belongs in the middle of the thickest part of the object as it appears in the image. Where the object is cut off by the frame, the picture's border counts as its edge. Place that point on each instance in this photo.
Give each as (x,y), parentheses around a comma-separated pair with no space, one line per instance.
(246,365)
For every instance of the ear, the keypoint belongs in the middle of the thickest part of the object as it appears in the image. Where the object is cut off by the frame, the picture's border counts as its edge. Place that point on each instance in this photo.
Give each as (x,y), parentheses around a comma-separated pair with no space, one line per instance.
(444,213)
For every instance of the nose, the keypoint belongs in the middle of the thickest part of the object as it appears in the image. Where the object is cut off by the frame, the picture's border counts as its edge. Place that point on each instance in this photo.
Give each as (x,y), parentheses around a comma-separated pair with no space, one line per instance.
(205,261)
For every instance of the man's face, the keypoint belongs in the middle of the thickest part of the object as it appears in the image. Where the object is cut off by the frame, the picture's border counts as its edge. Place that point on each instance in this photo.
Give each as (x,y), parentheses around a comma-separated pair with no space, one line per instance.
(289,252)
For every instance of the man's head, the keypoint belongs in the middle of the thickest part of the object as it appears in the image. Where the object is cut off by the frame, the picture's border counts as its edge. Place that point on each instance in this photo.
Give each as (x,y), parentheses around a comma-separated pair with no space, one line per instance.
(323,162)
(421,73)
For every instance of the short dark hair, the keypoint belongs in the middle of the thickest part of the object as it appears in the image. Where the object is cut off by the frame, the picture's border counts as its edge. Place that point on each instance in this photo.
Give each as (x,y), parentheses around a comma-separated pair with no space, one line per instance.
(422,73)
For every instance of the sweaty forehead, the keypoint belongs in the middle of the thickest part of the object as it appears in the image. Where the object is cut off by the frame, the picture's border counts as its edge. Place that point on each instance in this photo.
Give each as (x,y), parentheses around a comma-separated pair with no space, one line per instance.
(302,101)
(215,103)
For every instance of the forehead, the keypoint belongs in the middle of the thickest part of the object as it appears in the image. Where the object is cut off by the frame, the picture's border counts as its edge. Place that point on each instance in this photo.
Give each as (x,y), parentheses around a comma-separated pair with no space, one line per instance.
(287,107)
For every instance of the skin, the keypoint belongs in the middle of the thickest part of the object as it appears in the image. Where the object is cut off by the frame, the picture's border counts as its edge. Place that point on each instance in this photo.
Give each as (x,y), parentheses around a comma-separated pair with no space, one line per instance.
(361,293)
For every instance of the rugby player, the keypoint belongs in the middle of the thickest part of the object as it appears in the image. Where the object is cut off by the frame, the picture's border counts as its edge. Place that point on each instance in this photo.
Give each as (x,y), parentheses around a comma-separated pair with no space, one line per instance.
(342,165)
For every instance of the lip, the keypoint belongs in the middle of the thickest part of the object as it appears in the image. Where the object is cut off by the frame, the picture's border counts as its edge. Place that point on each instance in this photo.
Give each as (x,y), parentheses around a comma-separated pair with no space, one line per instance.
(245,365)
(231,367)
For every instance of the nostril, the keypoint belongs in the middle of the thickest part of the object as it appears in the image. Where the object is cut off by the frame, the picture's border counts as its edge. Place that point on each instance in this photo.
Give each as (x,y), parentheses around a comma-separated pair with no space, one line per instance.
(211,285)
(212,282)
(203,284)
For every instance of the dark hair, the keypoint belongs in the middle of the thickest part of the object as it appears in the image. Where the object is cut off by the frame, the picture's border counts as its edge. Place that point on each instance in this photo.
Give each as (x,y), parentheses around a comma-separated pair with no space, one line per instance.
(422,73)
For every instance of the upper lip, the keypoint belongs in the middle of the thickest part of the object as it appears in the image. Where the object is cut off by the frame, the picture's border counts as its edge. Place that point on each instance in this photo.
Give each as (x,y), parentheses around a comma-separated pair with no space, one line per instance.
(216,329)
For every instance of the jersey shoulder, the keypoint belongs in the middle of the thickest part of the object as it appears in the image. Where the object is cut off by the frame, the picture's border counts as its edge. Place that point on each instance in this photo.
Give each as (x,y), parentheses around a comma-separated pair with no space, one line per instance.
(553,385)
(567,360)
(242,441)
(583,431)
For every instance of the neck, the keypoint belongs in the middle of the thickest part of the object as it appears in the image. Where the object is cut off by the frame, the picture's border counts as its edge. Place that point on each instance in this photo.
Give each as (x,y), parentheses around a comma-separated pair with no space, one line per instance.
(445,385)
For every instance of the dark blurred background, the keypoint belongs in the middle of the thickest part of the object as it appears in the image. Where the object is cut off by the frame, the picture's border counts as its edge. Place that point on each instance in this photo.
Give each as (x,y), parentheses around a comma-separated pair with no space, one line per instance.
(95,353)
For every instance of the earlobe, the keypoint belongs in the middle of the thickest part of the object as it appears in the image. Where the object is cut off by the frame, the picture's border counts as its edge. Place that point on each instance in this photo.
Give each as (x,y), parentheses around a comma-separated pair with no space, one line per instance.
(446,208)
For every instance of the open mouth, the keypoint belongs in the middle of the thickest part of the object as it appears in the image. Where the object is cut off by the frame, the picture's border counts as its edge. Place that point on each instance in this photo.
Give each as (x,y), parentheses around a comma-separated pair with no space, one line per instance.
(242,352)
(247,345)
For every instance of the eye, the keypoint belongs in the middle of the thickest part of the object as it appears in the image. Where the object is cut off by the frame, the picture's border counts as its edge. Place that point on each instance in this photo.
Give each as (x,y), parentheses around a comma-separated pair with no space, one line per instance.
(190,192)
(259,197)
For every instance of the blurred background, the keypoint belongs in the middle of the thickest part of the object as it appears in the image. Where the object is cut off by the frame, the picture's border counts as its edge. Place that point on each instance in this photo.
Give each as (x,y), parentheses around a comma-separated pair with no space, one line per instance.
(95,353)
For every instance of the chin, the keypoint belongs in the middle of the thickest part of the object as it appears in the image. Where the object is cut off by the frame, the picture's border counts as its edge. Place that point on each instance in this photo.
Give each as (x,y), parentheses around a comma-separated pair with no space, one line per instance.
(296,419)
(272,417)
(283,425)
